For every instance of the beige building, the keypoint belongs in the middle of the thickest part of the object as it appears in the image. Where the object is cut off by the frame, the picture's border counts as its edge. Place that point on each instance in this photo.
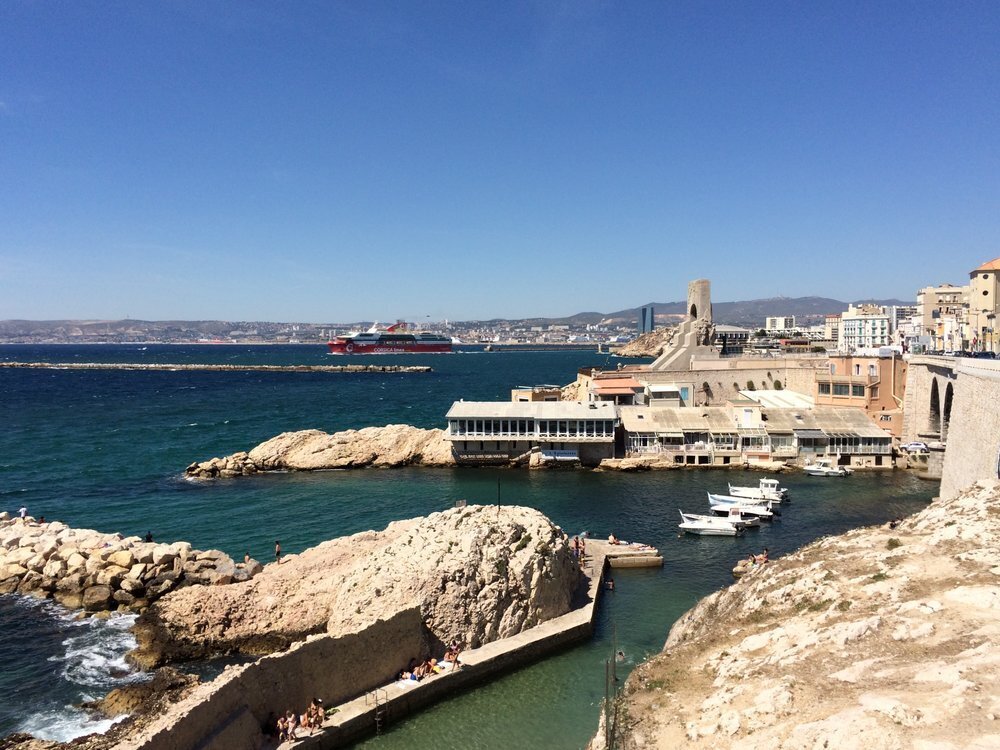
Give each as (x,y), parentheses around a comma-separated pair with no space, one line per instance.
(942,313)
(745,432)
(876,385)
(984,306)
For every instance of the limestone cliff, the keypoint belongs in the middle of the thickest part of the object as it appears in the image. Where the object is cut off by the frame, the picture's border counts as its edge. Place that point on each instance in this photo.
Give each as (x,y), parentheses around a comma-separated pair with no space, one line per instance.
(310,450)
(477,573)
(879,638)
(650,344)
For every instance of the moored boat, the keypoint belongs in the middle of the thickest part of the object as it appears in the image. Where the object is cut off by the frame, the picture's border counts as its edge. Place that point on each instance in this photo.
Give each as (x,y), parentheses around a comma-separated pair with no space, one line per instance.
(767,489)
(823,467)
(722,502)
(709,525)
(395,339)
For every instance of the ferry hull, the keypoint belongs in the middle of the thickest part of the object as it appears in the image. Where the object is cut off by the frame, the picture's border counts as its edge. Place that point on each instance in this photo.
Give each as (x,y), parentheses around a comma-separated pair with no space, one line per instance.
(340,347)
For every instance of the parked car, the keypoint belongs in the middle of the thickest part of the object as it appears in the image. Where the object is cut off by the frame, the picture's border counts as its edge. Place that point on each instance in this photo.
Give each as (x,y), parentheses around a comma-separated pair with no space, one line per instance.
(915,447)
(936,445)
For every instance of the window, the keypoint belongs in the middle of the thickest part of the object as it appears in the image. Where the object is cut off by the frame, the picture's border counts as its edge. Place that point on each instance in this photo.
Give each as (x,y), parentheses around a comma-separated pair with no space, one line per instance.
(858,390)
(840,389)
(833,369)
(824,388)
(874,391)
(872,371)
(857,369)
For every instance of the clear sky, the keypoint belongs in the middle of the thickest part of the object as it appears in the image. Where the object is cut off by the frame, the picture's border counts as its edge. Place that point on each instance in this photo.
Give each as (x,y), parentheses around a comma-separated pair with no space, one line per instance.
(326,161)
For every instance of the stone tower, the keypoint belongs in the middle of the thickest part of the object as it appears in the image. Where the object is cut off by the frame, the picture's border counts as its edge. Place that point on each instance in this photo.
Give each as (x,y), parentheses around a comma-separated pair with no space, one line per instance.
(700,300)
(693,337)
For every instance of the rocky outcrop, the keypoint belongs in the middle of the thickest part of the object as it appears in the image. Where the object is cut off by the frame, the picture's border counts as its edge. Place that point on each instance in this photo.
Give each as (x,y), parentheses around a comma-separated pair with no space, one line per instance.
(477,573)
(93,571)
(883,637)
(312,450)
(650,344)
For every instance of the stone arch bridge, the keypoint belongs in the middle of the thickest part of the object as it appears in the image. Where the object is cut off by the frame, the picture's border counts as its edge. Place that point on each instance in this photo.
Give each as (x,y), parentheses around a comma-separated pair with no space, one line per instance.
(956,401)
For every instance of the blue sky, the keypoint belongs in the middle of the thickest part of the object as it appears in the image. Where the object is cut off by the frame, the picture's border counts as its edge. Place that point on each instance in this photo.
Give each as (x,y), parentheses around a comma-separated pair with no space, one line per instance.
(324,161)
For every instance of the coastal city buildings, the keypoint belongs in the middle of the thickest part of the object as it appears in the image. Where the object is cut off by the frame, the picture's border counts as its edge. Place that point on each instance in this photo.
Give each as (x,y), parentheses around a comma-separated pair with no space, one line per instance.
(942,313)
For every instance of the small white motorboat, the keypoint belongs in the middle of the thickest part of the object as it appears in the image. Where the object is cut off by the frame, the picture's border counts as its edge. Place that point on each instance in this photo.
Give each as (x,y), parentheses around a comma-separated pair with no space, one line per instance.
(768,489)
(709,525)
(758,512)
(719,503)
(823,467)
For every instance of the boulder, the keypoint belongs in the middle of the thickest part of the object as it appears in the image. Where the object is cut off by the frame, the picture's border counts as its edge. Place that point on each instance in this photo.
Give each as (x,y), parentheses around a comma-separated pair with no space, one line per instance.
(97,598)
(163,553)
(121,558)
(479,574)
(12,570)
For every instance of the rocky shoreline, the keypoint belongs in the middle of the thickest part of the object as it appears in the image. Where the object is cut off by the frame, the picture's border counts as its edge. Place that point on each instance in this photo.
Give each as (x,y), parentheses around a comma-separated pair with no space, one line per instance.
(475,574)
(97,572)
(315,450)
(884,637)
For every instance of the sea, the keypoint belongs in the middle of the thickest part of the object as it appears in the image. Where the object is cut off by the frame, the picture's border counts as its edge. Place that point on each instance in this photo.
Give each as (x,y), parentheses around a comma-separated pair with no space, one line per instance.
(107,449)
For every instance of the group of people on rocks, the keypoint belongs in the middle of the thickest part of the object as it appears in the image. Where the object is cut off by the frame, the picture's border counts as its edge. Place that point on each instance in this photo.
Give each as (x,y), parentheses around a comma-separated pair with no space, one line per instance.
(417,670)
(284,727)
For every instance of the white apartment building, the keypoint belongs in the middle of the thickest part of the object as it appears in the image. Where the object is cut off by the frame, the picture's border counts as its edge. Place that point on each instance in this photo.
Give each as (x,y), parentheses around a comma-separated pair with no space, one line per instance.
(780,324)
(864,327)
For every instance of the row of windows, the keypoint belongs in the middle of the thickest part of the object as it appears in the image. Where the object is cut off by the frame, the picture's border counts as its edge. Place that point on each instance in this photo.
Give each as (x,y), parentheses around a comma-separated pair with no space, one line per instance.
(843,389)
(532,427)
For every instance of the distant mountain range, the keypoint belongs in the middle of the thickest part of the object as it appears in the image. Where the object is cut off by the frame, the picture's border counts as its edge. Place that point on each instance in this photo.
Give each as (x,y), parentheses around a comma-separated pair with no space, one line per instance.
(744,313)
(749,313)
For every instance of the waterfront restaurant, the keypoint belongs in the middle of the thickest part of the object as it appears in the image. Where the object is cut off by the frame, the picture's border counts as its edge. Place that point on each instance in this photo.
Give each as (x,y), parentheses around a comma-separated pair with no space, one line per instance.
(743,432)
(497,432)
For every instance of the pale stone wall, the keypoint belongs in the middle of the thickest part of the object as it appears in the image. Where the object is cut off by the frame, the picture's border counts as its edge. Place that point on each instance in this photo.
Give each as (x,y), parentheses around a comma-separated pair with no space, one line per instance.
(228,712)
(921,376)
(721,375)
(974,432)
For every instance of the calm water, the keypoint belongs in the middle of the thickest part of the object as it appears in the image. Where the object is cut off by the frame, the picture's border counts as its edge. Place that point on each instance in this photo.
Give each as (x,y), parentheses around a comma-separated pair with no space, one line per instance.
(106,450)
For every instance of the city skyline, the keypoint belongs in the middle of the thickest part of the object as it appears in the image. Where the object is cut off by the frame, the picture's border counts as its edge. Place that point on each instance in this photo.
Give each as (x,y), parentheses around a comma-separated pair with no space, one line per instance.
(245,161)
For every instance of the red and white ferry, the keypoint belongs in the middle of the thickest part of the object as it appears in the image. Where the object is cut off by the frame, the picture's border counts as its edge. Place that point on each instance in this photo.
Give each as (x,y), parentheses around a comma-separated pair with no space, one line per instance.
(395,339)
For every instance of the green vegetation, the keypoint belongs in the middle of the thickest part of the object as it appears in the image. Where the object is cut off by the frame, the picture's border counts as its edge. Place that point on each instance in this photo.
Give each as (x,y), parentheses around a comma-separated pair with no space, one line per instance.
(523,542)
(893,543)
(879,577)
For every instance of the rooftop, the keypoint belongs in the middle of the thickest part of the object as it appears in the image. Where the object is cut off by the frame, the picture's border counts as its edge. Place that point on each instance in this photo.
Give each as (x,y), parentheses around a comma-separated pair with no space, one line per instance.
(531,410)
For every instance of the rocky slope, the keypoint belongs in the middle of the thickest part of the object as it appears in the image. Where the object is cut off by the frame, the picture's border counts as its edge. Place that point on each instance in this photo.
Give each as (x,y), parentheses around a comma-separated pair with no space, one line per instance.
(879,638)
(310,450)
(90,570)
(478,573)
(649,344)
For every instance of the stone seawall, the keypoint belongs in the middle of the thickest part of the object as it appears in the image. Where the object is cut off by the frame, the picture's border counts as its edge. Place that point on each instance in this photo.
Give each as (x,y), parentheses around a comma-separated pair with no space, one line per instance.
(229,711)
(90,570)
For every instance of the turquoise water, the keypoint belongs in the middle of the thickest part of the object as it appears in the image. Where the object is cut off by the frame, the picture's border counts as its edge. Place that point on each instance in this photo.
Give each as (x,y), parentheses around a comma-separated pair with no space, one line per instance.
(106,450)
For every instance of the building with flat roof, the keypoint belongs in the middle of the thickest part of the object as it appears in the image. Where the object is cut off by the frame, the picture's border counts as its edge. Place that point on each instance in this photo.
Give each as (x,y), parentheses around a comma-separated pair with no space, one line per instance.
(745,432)
(499,432)
(876,385)
(864,327)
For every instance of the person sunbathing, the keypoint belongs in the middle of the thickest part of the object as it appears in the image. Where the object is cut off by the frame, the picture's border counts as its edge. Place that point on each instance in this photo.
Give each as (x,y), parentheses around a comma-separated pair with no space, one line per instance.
(612,539)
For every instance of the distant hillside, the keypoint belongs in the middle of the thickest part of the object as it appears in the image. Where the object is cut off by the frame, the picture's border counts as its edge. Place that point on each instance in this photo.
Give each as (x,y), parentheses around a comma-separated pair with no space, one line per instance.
(747,312)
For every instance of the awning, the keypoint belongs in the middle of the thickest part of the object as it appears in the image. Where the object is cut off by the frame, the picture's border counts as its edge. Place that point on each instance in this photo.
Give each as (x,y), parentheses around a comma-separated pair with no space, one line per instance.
(810,434)
(669,433)
(843,435)
(751,431)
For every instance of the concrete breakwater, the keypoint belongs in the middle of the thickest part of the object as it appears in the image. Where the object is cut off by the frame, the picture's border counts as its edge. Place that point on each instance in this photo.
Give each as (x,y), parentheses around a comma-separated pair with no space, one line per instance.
(213,368)
(93,571)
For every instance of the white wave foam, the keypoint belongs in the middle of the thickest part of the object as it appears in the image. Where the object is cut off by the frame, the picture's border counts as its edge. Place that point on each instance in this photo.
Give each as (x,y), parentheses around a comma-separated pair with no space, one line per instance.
(64,725)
